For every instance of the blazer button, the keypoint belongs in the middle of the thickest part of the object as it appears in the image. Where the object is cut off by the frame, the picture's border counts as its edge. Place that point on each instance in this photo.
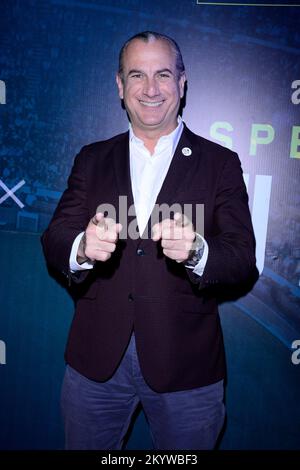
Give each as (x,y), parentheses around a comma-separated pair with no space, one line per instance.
(140,252)
(130,298)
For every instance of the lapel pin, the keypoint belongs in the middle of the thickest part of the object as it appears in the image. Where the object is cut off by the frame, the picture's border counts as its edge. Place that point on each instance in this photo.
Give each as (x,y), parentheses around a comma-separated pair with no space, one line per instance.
(186,151)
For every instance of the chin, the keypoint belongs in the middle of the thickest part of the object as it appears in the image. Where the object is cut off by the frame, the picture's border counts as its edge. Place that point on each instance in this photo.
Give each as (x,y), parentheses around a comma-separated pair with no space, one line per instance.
(152,121)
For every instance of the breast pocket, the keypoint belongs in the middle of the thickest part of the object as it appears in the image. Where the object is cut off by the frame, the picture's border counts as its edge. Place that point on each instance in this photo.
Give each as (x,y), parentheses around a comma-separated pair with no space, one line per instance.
(191,194)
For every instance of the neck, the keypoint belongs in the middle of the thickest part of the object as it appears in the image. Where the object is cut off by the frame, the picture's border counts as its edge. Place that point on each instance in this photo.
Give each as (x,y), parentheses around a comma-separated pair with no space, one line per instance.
(151,137)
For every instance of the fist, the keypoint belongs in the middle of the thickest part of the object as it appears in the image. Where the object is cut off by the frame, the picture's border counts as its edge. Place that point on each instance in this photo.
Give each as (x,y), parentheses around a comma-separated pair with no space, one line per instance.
(177,237)
(99,240)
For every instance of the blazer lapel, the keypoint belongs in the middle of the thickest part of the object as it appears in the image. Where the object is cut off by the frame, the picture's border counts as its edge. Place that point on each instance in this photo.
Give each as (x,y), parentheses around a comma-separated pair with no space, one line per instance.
(123,179)
(180,170)
(122,168)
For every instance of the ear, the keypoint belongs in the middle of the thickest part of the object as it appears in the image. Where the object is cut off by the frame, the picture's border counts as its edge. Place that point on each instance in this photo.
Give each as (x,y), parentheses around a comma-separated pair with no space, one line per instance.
(120,86)
(182,81)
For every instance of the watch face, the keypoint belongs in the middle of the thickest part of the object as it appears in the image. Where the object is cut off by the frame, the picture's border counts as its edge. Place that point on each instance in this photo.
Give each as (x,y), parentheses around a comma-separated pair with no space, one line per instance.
(197,252)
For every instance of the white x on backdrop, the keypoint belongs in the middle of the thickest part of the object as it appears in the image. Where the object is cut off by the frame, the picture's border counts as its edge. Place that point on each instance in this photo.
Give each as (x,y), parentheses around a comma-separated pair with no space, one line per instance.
(10,193)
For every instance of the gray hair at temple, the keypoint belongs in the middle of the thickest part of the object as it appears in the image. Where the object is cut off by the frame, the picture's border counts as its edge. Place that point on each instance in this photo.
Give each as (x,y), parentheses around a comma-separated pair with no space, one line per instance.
(148,36)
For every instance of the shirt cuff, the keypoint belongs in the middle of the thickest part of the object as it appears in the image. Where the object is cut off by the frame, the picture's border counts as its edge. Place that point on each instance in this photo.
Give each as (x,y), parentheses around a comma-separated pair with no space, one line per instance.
(199,268)
(74,266)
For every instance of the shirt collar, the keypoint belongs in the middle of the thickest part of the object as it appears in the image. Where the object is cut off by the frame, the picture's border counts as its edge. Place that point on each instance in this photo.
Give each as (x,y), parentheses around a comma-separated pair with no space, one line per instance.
(164,141)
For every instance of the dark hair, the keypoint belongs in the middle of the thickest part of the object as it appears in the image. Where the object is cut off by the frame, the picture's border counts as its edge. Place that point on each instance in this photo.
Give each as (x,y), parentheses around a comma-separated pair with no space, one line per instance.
(147,36)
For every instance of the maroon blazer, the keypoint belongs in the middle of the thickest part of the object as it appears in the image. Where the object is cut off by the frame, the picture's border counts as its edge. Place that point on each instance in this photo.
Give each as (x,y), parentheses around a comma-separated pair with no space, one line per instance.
(173,312)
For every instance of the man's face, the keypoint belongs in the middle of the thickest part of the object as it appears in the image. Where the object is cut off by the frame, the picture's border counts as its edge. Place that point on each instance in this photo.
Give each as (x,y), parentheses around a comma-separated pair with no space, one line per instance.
(151,88)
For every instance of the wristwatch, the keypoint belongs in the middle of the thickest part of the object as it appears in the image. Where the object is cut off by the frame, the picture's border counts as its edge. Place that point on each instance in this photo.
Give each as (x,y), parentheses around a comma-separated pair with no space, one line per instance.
(196,253)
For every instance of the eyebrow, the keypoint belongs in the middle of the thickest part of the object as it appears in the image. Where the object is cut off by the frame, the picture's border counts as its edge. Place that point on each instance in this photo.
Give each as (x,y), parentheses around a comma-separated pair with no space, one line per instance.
(134,71)
(165,70)
(157,71)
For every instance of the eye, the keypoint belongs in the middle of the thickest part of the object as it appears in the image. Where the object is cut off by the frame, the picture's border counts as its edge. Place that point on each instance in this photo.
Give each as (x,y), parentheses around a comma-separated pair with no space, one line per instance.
(136,75)
(164,75)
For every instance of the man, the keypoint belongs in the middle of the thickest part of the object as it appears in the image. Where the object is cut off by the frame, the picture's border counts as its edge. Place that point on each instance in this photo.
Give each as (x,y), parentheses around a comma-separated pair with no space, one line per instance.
(146,327)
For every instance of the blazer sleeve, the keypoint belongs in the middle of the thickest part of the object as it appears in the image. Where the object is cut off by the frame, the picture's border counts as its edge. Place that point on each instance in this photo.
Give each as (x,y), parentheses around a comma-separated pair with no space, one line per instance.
(231,259)
(69,219)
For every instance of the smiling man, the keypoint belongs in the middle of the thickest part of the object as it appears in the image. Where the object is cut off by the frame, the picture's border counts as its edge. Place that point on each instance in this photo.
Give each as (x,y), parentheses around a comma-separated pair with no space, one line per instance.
(146,326)
(151,82)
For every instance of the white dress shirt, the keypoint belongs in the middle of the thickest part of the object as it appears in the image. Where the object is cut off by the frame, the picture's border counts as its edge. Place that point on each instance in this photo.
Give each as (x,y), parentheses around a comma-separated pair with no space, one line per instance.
(148,171)
(147,174)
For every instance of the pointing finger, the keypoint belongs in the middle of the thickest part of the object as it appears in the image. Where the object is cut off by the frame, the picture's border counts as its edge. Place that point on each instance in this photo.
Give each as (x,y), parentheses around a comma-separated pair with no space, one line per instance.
(181,220)
(156,232)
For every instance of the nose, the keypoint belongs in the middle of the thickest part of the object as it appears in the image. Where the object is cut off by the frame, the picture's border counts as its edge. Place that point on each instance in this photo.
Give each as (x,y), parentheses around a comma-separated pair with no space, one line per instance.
(151,87)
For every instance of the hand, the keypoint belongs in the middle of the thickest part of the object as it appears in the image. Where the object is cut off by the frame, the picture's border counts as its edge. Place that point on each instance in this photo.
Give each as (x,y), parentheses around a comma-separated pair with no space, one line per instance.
(99,240)
(177,237)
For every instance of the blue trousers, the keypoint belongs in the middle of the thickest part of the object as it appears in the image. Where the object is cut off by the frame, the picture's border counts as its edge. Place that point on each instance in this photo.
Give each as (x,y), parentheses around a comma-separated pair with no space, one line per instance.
(97,414)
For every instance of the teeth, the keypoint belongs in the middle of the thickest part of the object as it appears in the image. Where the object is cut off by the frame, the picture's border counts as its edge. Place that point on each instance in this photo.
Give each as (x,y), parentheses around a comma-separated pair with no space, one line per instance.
(151,104)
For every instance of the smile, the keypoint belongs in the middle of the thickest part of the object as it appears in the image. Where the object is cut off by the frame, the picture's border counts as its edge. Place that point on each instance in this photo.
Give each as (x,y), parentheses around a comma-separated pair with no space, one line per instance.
(151,104)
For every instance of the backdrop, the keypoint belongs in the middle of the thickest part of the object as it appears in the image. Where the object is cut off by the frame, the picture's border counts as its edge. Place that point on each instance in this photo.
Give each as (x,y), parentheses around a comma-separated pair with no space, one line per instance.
(57,92)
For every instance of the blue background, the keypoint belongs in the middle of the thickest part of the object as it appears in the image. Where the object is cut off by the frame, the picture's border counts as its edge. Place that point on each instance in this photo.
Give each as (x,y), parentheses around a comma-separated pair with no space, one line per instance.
(58,59)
